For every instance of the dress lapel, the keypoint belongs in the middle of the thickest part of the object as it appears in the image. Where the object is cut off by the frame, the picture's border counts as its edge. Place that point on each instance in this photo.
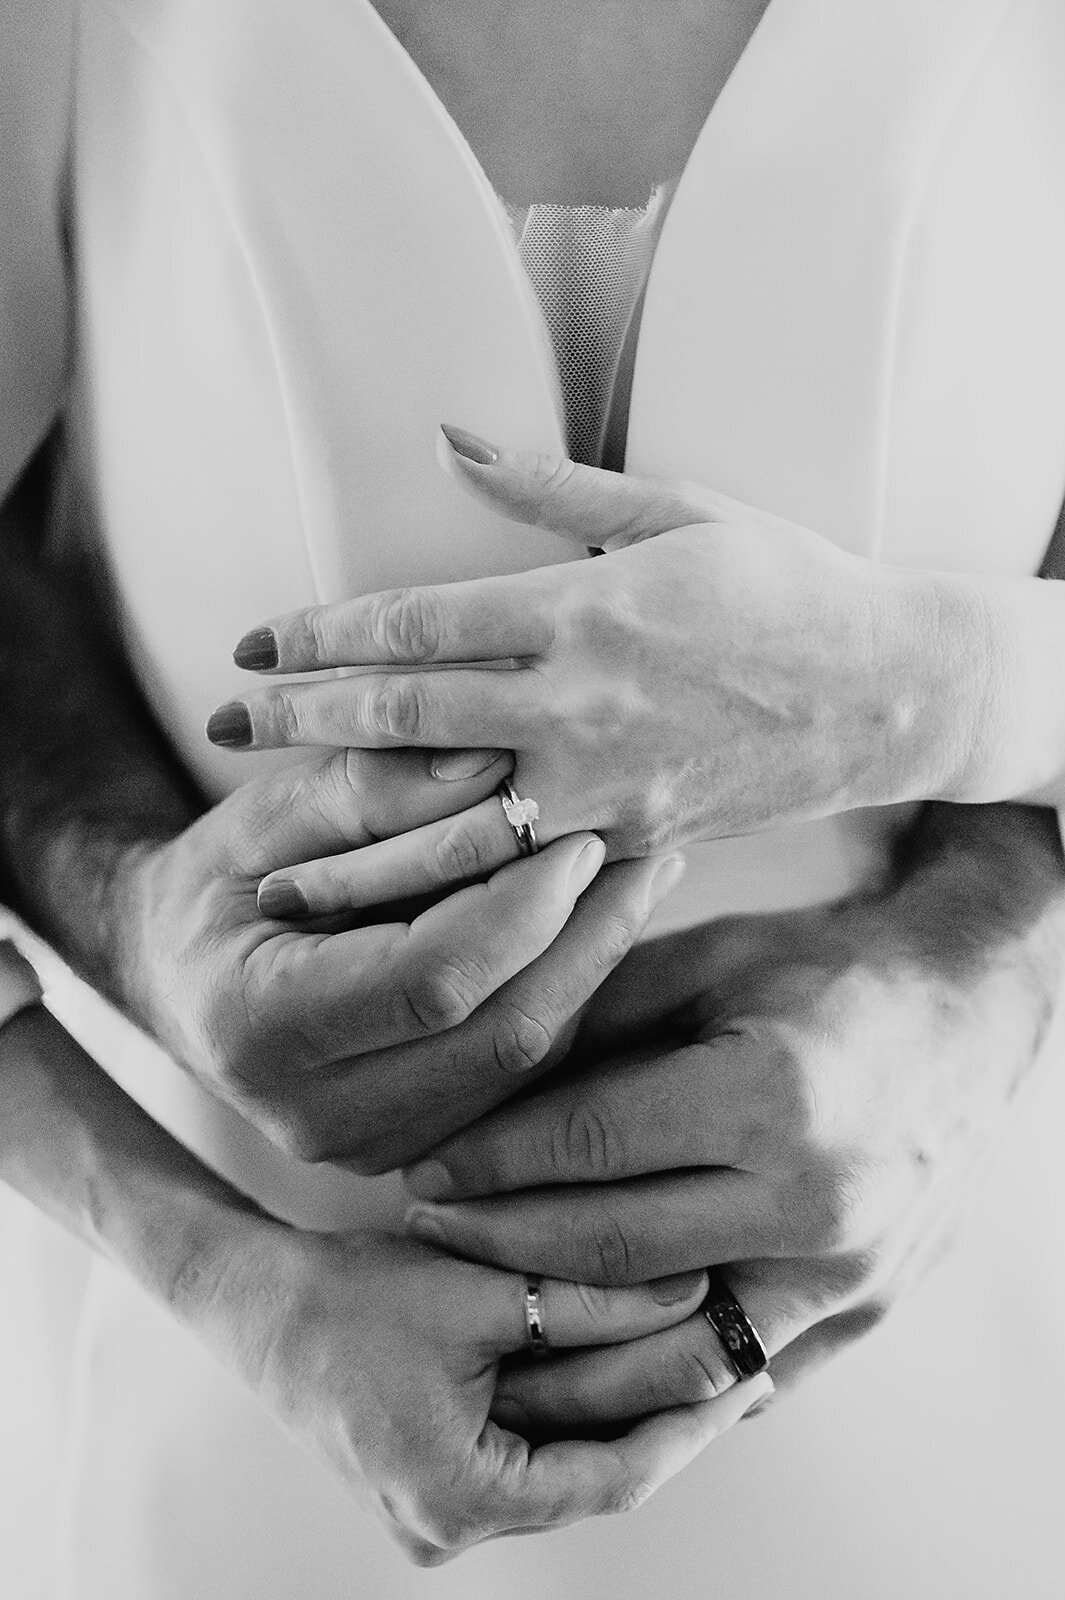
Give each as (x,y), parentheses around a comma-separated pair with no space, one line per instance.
(766,348)
(397,300)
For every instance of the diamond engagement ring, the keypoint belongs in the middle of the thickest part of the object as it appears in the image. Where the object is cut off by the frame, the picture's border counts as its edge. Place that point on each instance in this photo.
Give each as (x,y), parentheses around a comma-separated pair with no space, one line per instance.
(521,814)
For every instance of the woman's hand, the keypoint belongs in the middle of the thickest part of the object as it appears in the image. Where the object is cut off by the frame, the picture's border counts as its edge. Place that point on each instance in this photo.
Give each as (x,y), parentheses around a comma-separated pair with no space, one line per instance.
(828,1083)
(719,671)
(381,1357)
(371,1043)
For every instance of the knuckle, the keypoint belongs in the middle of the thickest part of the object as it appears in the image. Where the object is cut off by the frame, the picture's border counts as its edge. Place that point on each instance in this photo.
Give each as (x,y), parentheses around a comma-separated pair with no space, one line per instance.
(548,479)
(317,634)
(789,1094)
(626,1494)
(603,615)
(405,625)
(586,1141)
(519,1042)
(695,1374)
(445,1526)
(611,1254)
(396,708)
(825,1207)
(285,716)
(855,1274)
(440,999)
(460,854)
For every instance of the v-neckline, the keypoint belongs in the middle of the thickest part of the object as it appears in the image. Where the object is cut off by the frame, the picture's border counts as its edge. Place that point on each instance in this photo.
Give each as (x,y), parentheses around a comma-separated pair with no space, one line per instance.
(497,203)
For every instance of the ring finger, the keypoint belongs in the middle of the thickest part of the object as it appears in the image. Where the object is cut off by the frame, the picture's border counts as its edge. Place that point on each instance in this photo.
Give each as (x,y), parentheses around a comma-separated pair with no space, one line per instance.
(682,1365)
(454,850)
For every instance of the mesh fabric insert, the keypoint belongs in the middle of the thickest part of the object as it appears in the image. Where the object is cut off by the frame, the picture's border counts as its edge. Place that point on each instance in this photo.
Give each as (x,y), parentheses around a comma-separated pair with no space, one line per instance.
(589,266)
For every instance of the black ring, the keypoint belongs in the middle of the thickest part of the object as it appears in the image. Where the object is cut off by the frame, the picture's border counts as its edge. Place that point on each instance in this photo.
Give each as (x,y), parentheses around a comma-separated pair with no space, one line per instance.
(738,1335)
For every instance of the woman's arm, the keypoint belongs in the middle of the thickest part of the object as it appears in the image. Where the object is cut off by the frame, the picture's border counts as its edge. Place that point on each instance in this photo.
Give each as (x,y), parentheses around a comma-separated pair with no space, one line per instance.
(720,671)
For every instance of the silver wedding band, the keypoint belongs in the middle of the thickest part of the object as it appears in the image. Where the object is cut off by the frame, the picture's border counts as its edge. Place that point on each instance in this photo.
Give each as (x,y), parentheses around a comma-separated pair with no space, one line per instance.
(521,814)
(739,1338)
(535,1332)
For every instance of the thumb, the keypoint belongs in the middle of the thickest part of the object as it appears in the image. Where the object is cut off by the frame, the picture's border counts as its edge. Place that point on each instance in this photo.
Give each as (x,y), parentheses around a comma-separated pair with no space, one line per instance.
(607,510)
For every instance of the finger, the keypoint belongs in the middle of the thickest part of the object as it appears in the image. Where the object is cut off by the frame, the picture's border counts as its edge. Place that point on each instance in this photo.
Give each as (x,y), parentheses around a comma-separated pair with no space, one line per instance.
(483,619)
(340,801)
(405,1100)
(608,510)
(379,986)
(582,1314)
(378,711)
(562,1483)
(455,850)
(682,1365)
(612,1233)
(648,1113)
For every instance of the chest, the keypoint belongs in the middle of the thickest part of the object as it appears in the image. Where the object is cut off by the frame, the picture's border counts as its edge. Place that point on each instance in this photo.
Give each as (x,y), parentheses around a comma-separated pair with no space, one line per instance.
(569,102)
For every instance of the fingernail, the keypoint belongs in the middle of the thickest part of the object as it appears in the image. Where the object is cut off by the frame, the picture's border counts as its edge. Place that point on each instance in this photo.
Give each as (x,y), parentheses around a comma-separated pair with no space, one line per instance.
(282,899)
(452,766)
(586,866)
(666,879)
(762,1400)
(257,651)
(671,1291)
(429,1180)
(424,1225)
(470,445)
(230,725)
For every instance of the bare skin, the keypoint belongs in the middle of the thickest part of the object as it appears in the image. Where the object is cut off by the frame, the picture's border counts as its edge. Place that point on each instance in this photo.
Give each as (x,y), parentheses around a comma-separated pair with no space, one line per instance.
(594,104)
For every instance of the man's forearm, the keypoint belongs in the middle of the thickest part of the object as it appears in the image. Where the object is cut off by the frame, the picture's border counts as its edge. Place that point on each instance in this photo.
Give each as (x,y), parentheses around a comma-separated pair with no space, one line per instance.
(981,889)
(86,780)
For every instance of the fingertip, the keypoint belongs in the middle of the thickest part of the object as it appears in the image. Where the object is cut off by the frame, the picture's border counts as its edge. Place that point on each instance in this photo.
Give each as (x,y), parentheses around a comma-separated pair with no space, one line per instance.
(586,864)
(665,880)
(680,1288)
(230,726)
(257,651)
(282,900)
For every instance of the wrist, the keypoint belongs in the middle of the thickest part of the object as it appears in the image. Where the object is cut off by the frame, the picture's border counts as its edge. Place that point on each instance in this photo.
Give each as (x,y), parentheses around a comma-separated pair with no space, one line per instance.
(943,677)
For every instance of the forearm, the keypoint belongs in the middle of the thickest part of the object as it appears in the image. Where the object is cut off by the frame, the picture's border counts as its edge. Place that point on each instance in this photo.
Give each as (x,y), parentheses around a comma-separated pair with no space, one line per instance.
(86,781)
(85,1154)
(978,897)
(1001,644)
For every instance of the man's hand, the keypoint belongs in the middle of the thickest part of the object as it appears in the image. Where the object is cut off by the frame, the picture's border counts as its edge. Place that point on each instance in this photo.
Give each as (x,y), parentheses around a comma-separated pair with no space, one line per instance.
(369,1044)
(381,1357)
(829,1083)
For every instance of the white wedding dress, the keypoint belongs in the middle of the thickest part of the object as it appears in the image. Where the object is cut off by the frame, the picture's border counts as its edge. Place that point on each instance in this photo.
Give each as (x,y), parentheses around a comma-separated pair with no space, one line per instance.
(288,269)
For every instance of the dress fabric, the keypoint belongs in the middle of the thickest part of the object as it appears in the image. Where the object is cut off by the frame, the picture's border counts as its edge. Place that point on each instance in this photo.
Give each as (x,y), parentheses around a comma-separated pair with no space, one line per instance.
(288,268)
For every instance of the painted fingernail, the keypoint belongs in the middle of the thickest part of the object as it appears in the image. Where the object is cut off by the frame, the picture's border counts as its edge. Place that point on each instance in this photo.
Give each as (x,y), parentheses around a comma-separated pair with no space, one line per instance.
(452,766)
(230,726)
(586,866)
(429,1180)
(257,651)
(671,1291)
(470,445)
(424,1225)
(666,879)
(282,899)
